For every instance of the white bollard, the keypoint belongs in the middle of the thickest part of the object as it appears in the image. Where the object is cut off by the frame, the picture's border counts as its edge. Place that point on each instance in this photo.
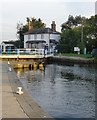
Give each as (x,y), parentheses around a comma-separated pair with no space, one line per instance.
(19,91)
(8,62)
(10,69)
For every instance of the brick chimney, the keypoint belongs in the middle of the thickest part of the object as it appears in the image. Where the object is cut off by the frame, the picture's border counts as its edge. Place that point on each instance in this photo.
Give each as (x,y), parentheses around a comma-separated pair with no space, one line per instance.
(53,26)
(30,25)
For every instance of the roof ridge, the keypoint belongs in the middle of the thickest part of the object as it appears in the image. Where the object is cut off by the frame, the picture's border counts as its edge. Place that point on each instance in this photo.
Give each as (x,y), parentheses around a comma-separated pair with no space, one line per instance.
(41,30)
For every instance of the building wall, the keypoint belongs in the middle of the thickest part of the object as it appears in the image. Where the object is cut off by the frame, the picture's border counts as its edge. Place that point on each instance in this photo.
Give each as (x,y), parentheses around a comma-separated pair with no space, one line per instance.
(44,37)
(25,40)
(55,36)
(38,37)
(4,47)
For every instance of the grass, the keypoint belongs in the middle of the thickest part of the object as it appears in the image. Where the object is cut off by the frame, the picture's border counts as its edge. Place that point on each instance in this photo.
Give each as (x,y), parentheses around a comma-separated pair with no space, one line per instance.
(76,55)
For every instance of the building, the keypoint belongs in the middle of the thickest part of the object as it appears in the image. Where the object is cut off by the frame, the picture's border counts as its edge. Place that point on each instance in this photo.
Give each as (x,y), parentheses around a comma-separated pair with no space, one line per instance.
(39,38)
(6,45)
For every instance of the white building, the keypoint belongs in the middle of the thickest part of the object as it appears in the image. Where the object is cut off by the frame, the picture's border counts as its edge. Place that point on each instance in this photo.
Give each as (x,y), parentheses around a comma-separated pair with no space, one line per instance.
(39,38)
(5,45)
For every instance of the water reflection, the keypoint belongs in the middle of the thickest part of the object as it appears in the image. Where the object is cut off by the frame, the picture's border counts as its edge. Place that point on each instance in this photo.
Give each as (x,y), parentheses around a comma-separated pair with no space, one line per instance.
(64,91)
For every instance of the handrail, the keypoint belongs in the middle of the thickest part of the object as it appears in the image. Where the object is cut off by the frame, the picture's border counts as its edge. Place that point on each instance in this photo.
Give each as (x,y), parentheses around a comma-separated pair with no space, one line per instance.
(28,51)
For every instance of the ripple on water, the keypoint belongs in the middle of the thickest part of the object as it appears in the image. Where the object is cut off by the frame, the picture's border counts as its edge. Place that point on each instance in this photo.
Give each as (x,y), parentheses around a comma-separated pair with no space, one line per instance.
(63,91)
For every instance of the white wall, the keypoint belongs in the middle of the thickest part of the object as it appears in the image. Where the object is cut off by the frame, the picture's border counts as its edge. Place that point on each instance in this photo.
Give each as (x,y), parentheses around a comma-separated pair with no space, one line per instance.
(38,36)
(32,37)
(25,40)
(5,45)
(55,36)
(46,38)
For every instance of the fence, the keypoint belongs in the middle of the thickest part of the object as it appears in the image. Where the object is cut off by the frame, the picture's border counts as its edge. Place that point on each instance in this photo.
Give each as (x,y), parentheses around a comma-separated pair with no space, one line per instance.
(43,52)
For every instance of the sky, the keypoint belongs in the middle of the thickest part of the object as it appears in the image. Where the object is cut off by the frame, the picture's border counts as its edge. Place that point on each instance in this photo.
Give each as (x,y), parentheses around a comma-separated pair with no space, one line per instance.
(16,11)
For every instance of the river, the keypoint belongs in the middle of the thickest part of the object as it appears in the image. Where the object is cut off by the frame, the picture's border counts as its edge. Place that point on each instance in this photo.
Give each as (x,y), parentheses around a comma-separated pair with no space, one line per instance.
(64,91)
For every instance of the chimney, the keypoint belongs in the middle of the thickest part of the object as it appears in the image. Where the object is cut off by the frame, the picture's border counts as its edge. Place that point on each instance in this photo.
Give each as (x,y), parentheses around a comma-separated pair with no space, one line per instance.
(53,26)
(30,25)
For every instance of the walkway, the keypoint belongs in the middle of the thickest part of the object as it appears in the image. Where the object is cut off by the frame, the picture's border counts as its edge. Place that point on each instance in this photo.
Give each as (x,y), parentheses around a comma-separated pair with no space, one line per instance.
(14,105)
(0,90)
(73,59)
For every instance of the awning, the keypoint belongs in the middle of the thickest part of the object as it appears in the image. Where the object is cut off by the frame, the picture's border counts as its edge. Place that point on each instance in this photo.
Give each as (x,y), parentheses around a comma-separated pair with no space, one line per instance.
(53,41)
(36,41)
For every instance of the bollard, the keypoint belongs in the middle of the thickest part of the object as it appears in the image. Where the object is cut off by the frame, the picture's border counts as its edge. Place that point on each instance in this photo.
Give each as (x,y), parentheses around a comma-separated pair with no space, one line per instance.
(10,69)
(8,62)
(19,91)
(41,66)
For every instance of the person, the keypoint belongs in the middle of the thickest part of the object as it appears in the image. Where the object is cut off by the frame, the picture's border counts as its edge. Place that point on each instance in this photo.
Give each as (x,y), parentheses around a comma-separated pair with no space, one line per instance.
(0,51)
(44,50)
(9,50)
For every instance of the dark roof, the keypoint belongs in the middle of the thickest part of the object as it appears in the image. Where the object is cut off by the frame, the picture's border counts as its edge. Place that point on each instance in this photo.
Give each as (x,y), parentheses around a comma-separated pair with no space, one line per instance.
(36,41)
(41,31)
(53,41)
(7,42)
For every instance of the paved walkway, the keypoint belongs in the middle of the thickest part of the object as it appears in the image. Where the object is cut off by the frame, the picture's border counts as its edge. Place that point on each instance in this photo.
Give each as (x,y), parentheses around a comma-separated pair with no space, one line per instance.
(14,105)
(0,90)
(10,105)
(74,59)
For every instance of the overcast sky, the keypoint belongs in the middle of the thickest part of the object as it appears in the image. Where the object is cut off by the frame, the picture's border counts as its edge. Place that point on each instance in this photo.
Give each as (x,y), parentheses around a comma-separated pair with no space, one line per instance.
(14,11)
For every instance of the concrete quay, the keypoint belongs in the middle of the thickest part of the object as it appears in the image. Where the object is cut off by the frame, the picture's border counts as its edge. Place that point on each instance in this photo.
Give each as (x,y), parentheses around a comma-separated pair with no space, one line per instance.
(13,104)
(70,59)
(0,90)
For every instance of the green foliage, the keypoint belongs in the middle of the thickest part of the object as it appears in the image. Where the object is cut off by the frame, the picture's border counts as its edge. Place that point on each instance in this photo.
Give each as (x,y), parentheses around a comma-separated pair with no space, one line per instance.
(88,56)
(17,43)
(69,39)
(78,31)
(36,23)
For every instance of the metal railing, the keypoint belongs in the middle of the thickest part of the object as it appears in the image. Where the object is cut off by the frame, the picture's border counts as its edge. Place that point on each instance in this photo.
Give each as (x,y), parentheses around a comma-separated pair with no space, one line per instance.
(28,52)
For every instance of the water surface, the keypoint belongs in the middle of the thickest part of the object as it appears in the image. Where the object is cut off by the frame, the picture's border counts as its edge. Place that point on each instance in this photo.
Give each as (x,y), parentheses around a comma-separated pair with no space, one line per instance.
(64,91)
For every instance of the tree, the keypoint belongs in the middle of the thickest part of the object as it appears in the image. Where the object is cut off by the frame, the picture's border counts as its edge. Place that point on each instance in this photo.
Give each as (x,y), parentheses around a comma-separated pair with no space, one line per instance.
(90,31)
(71,33)
(79,31)
(69,40)
(36,23)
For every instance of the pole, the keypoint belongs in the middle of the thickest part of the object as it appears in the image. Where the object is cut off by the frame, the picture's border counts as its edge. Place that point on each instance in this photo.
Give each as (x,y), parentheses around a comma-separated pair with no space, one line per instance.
(82,42)
(82,34)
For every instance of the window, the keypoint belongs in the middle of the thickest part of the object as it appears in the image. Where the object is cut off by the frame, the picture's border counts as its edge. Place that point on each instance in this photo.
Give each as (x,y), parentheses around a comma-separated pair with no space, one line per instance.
(29,36)
(35,36)
(42,36)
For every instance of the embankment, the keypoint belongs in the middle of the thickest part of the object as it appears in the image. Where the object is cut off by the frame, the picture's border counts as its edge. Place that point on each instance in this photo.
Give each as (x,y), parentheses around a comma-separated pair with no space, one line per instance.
(66,59)
(13,104)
